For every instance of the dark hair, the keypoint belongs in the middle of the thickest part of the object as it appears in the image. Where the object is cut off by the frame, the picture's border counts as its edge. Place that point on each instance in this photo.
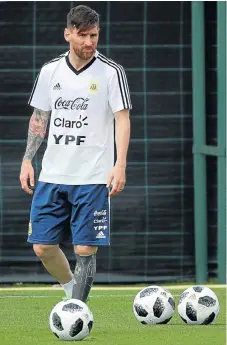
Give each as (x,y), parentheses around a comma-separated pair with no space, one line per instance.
(82,17)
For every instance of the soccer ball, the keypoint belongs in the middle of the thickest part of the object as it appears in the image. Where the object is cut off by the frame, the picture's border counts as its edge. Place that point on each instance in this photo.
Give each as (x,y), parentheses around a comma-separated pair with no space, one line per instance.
(153,305)
(198,305)
(71,320)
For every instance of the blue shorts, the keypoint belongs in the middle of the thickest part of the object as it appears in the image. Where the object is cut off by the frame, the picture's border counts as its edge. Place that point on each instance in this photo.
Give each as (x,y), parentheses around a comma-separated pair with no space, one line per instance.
(85,209)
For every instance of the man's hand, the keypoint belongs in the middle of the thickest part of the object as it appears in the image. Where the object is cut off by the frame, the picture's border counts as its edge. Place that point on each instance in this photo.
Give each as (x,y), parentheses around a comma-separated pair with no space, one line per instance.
(117,180)
(27,176)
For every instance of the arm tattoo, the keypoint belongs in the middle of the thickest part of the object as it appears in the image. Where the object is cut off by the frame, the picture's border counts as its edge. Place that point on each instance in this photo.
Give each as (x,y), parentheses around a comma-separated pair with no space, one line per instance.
(36,132)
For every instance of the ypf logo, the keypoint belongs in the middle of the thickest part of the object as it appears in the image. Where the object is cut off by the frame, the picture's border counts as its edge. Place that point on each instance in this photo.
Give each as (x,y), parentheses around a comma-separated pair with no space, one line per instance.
(93,86)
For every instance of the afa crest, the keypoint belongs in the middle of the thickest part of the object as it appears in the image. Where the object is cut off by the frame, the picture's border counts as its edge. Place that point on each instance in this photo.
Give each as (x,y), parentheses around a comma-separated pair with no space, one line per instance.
(29,228)
(93,86)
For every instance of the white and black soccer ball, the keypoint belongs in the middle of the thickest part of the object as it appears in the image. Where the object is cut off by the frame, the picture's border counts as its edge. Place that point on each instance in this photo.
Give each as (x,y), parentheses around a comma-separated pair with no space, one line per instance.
(153,305)
(198,305)
(71,320)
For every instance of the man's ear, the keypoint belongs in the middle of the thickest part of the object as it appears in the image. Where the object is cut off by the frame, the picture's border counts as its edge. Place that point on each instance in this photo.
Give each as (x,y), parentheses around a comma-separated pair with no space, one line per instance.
(67,34)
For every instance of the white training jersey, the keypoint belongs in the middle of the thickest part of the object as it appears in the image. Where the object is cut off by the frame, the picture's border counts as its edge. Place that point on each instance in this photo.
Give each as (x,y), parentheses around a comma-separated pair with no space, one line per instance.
(80,147)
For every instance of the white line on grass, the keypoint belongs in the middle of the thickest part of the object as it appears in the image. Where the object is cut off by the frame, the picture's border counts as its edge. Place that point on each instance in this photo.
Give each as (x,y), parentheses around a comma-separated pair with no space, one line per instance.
(110,288)
(91,296)
(52,296)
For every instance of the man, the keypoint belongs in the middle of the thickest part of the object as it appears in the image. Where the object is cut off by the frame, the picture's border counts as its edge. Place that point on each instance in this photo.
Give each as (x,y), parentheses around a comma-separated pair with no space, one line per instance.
(82,93)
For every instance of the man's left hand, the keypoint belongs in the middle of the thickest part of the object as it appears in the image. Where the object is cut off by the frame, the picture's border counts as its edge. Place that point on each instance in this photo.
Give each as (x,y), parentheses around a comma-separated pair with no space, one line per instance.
(117,180)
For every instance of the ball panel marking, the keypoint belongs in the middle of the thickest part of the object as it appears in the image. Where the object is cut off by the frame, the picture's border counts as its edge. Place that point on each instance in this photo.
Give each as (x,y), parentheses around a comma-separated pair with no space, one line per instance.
(57,322)
(158,307)
(72,307)
(191,312)
(198,288)
(171,302)
(207,301)
(140,310)
(183,296)
(148,292)
(90,325)
(209,319)
(76,328)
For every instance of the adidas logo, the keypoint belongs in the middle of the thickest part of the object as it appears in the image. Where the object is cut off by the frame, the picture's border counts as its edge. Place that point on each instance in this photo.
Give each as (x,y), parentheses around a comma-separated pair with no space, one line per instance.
(100,235)
(57,87)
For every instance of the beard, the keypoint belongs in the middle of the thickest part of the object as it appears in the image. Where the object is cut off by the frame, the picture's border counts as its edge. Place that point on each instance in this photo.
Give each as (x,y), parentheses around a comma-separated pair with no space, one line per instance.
(83,54)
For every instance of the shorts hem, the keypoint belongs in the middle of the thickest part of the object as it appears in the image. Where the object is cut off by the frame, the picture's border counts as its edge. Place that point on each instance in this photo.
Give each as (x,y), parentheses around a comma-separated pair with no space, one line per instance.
(42,242)
(87,243)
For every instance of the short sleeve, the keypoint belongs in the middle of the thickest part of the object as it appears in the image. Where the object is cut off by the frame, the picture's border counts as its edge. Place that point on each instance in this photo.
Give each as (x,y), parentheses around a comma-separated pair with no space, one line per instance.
(40,93)
(119,96)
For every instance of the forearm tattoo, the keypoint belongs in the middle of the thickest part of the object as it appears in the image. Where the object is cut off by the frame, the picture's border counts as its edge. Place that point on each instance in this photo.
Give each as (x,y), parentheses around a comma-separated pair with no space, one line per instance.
(36,132)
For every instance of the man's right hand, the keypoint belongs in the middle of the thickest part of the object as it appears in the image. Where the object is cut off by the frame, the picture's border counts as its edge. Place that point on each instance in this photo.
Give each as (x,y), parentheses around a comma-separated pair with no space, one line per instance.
(27,176)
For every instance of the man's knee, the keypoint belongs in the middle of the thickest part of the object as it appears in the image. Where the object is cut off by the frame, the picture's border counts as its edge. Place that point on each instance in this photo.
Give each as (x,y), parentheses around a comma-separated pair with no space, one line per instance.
(45,251)
(85,250)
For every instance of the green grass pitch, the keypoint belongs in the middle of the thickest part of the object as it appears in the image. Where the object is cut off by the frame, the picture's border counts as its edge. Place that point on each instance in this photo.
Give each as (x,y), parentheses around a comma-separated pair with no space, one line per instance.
(24,320)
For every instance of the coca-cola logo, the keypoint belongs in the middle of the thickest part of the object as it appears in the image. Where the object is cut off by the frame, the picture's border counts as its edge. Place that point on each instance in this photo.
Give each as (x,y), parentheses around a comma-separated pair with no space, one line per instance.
(78,104)
(100,213)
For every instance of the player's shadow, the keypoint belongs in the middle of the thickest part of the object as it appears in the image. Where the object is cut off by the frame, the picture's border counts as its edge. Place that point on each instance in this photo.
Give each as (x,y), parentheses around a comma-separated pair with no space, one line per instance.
(84,340)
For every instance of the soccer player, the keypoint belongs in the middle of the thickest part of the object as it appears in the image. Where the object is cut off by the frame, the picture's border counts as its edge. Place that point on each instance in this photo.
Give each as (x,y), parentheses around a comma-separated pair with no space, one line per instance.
(83,94)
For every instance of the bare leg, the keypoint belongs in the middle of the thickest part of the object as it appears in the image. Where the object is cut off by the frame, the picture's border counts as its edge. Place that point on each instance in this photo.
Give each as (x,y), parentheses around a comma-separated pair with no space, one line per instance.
(55,262)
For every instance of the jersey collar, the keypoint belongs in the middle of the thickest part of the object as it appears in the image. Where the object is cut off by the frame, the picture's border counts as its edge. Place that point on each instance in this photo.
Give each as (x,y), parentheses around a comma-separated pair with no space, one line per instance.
(82,69)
